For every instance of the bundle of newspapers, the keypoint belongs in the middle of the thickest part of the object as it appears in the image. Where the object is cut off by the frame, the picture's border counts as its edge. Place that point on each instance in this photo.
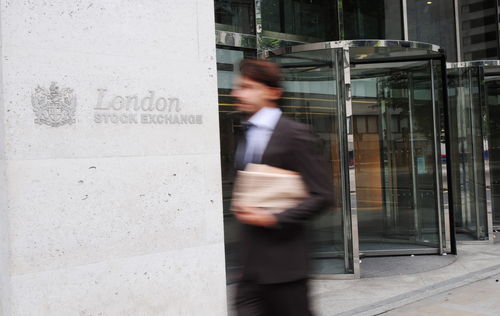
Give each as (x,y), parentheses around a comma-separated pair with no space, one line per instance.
(269,188)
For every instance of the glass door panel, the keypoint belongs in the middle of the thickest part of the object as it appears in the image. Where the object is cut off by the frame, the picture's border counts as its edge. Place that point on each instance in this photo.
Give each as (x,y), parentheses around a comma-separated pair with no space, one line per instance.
(230,129)
(313,91)
(467,152)
(492,101)
(395,166)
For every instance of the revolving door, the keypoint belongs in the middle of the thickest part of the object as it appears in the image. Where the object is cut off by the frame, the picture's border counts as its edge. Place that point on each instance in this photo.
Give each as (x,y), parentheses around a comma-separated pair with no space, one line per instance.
(380,105)
(474,95)
(396,165)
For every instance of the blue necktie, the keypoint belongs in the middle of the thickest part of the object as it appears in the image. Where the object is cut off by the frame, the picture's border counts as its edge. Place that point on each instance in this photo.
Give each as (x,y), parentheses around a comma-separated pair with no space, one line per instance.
(240,162)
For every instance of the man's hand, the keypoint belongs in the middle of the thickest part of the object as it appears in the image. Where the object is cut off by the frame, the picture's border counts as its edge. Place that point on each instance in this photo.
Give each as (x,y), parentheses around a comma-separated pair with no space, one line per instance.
(254,216)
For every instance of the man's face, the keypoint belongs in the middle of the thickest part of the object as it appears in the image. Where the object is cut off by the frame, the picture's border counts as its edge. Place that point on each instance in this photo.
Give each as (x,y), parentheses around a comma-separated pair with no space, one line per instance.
(251,95)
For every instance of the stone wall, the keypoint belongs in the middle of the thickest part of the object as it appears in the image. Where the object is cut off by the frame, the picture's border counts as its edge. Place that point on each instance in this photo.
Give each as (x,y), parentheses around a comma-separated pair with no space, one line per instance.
(112,158)
(4,219)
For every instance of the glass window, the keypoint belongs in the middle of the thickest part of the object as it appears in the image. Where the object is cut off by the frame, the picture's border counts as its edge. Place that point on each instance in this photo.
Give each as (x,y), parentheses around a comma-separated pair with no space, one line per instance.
(316,19)
(372,19)
(479,29)
(235,15)
(433,21)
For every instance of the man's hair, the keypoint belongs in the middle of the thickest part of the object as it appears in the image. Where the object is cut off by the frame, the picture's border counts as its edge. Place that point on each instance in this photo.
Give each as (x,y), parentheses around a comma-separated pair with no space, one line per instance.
(261,71)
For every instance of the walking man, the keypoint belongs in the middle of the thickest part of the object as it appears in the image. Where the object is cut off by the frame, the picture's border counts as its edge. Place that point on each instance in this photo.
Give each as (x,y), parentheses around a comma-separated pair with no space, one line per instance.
(274,248)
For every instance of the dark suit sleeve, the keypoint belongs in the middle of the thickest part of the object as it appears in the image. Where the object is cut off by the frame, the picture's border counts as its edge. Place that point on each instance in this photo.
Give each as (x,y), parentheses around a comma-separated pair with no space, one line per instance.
(308,162)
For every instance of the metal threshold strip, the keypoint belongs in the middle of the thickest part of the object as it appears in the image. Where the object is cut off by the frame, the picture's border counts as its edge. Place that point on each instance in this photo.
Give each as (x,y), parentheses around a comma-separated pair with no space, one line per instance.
(402,252)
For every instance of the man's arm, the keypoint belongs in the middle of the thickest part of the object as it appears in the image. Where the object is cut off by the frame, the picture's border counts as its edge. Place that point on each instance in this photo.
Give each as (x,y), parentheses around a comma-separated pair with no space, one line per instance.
(312,167)
(308,162)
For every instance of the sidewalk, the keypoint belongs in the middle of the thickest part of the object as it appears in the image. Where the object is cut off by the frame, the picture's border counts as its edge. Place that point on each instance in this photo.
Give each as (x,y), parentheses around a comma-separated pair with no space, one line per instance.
(480,298)
(407,286)
(377,295)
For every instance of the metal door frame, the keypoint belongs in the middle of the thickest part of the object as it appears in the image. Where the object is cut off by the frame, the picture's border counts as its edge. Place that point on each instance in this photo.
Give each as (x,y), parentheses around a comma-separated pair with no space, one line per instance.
(444,232)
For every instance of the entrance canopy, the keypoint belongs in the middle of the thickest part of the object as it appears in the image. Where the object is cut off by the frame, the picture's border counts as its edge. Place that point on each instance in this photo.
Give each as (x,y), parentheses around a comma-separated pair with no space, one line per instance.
(361,51)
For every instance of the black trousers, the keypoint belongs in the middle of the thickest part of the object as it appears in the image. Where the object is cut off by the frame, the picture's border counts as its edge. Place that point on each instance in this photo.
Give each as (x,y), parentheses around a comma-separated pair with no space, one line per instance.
(282,299)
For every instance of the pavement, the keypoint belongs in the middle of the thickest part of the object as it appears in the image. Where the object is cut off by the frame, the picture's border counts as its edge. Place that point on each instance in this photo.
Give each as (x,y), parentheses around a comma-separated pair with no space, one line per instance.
(481,298)
(417,292)
(465,284)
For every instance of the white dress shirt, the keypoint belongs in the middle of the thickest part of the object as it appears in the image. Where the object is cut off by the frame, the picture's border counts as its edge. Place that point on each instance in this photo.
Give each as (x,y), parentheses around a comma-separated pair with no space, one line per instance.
(262,125)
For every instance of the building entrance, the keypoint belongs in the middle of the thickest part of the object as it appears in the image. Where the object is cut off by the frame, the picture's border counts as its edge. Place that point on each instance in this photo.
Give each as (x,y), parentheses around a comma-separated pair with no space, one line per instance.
(396,164)
(377,106)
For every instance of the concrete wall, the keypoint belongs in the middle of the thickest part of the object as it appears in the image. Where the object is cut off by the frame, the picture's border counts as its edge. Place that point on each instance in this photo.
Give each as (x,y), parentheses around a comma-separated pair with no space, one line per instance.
(4,218)
(4,245)
(116,210)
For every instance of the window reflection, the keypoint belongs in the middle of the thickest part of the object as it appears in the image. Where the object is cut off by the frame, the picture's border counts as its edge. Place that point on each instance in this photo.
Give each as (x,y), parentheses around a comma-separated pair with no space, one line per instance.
(372,19)
(479,29)
(235,15)
(309,18)
(433,22)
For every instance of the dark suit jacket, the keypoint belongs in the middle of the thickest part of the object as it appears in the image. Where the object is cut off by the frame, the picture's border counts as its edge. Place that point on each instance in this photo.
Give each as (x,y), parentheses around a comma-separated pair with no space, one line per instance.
(281,254)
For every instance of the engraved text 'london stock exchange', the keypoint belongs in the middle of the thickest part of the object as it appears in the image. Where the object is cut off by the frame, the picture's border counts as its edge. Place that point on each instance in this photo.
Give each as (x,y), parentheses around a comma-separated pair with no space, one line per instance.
(149,109)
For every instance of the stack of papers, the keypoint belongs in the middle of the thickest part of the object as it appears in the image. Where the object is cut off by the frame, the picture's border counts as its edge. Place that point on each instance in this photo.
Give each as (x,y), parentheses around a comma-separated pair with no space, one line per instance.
(269,188)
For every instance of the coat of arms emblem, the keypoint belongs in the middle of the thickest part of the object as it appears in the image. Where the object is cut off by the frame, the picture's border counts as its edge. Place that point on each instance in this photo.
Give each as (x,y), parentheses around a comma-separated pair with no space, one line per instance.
(54,106)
